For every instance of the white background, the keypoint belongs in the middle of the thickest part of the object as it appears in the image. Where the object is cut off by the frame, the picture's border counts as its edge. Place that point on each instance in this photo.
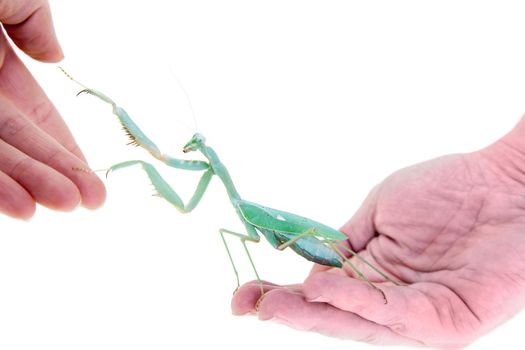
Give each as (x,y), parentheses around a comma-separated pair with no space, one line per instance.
(309,104)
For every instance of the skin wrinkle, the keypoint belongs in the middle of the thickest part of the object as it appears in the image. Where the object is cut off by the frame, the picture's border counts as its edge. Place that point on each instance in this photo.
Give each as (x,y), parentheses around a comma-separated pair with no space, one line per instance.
(12,126)
(455,233)
(517,169)
(42,112)
(467,305)
(460,211)
(8,81)
(380,262)
(517,200)
(425,297)
(22,166)
(408,259)
(433,241)
(447,317)
(369,337)
(452,314)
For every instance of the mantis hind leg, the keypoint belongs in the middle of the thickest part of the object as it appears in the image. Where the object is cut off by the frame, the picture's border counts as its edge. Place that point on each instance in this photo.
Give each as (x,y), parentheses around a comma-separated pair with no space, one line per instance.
(243,238)
(363,260)
(337,248)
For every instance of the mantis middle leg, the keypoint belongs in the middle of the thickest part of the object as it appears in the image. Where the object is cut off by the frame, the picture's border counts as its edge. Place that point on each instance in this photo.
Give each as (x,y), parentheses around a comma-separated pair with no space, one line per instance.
(243,237)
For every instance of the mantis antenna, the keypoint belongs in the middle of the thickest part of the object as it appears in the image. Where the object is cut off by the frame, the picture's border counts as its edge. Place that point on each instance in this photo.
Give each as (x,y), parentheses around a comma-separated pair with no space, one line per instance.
(70,77)
(177,80)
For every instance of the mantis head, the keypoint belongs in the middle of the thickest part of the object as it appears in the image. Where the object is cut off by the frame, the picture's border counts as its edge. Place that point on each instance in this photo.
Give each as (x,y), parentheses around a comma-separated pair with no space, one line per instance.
(197,142)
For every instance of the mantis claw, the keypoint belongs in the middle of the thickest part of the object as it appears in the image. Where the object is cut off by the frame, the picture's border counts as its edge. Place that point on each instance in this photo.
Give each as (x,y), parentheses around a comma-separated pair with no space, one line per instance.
(84,170)
(258,303)
(86,91)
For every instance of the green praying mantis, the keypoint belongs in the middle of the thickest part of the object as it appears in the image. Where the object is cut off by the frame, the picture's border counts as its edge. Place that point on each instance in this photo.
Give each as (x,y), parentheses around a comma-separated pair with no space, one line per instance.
(310,239)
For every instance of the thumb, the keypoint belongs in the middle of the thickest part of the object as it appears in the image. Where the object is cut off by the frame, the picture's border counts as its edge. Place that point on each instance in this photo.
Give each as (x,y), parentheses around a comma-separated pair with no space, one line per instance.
(30,26)
(360,228)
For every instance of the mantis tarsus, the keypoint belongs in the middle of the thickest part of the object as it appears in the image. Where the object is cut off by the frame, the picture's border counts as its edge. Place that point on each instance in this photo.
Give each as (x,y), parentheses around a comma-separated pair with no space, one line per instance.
(310,239)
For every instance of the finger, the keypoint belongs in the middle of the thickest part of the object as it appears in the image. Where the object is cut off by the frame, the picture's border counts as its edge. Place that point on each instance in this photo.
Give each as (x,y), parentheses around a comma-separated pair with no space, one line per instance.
(22,134)
(14,199)
(18,85)
(30,26)
(46,185)
(291,308)
(245,299)
(318,268)
(360,228)
(425,310)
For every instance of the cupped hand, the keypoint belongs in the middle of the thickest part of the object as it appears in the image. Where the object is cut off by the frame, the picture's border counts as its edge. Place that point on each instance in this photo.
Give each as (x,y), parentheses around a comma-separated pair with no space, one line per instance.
(38,154)
(452,230)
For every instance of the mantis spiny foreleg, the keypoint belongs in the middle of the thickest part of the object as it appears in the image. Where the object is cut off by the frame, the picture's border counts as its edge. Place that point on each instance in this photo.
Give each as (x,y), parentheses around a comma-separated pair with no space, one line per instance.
(138,138)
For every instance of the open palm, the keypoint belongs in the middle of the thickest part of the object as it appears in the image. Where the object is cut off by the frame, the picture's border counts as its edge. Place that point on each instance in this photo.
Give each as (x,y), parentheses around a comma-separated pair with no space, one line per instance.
(450,229)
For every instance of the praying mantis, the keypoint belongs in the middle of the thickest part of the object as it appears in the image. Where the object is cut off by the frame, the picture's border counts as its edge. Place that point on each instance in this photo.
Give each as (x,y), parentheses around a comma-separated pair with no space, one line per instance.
(310,239)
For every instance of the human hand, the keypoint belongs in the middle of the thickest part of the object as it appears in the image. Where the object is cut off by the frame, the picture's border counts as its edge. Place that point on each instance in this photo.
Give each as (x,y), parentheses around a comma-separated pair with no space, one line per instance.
(451,229)
(38,154)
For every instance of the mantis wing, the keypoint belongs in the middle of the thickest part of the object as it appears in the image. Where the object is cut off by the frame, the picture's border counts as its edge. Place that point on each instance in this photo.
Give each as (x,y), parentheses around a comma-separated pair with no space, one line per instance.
(279,227)
(285,223)
(308,247)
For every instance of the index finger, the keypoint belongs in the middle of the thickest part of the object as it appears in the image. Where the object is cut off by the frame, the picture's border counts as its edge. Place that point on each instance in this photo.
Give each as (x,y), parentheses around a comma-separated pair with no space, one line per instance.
(24,92)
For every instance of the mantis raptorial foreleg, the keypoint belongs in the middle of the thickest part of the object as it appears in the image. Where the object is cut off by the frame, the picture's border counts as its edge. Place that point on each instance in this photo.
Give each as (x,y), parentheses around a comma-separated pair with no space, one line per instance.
(139,138)
(243,238)
(164,190)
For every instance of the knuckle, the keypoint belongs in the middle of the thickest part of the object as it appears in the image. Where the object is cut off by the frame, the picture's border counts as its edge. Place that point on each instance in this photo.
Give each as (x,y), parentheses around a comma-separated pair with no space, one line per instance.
(42,112)
(398,327)
(12,126)
(21,167)
(55,159)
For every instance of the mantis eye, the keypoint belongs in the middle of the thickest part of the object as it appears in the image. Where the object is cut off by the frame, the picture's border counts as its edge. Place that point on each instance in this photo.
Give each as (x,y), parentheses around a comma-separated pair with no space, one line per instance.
(199,138)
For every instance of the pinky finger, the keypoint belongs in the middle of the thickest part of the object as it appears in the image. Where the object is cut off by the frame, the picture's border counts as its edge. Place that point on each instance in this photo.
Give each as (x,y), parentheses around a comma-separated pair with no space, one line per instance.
(14,199)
